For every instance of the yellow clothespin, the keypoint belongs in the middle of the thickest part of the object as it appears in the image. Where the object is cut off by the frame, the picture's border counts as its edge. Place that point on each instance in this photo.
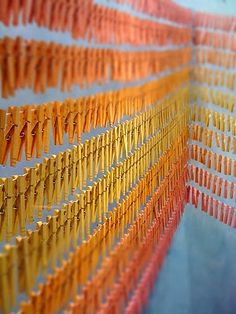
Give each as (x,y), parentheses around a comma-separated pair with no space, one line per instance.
(9,209)
(91,144)
(30,196)
(49,181)
(74,173)
(4,284)
(88,209)
(85,161)
(96,155)
(107,151)
(23,255)
(80,167)
(65,162)
(21,206)
(11,252)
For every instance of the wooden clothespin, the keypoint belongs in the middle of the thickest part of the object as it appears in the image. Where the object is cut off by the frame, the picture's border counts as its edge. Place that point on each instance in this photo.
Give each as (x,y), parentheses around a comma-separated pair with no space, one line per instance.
(11,136)
(37,131)
(57,123)
(25,130)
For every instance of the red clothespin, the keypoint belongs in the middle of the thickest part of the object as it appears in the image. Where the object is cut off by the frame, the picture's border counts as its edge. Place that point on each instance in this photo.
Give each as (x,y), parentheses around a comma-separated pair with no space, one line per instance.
(226,213)
(216,209)
(211,206)
(26,11)
(232,190)
(15,6)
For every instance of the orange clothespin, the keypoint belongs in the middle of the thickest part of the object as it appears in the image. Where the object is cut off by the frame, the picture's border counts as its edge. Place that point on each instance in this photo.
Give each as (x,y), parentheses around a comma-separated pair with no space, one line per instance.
(11,140)
(37,131)
(25,131)
(21,62)
(31,57)
(57,121)
(69,119)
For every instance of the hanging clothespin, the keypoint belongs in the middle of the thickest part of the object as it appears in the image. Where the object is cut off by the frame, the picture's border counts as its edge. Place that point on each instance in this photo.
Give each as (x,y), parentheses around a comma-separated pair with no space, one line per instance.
(30,75)
(57,123)
(10,68)
(21,62)
(11,136)
(21,203)
(25,130)
(47,114)
(37,131)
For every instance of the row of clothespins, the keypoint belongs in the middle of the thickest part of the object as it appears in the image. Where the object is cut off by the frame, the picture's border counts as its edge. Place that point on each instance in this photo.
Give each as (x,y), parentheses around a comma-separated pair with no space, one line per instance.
(40,65)
(25,131)
(222,78)
(81,212)
(211,138)
(219,120)
(85,267)
(161,9)
(212,182)
(215,39)
(144,285)
(215,208)
(214,21)
(214,96)
(24,203)
(123,269)
(216,57)
(91,21)
(213,161)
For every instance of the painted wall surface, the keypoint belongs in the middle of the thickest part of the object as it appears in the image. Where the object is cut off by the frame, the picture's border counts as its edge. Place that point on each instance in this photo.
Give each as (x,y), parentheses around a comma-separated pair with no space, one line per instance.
(227,7)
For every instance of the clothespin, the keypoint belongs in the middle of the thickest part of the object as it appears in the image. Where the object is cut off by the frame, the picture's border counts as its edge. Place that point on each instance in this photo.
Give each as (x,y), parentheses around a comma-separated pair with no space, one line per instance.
(30,196)
(50,185)
(2,134)
(25,130)
(21,62)
(21,191)
(58,127)
(46,126)
(32,63)
(11,252)
(4,283)
(91,146)
(37,131)
(11,136)
(10,68)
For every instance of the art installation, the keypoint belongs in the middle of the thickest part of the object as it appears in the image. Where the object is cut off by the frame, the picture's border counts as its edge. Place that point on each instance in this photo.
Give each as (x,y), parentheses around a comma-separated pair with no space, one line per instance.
(102,178)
